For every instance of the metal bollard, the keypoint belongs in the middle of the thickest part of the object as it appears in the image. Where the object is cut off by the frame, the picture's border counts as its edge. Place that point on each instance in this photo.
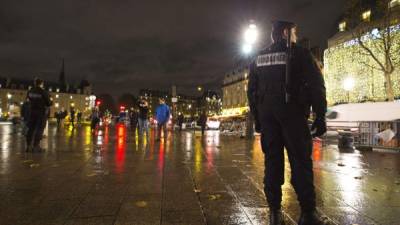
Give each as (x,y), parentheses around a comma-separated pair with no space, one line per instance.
(345,140)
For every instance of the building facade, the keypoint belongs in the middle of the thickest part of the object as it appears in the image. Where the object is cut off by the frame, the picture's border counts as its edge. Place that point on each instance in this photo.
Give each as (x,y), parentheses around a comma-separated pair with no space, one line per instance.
(210,103)
(234,92)
(13,93)
(351,74)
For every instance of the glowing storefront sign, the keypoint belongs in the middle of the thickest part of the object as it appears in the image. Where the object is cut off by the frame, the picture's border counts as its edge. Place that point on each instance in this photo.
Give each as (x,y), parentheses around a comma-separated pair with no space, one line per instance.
(235,111)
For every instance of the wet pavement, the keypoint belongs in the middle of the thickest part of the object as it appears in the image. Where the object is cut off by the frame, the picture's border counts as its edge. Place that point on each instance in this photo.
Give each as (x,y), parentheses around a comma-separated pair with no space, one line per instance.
(115,178)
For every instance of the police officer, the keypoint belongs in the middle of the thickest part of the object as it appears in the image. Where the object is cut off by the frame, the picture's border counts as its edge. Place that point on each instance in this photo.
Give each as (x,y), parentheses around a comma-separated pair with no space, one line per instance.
(281,111)
(39,103)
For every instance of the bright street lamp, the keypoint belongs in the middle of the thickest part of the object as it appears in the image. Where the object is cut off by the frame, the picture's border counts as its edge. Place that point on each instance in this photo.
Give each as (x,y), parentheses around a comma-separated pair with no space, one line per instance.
(250,37)
(251,34)
(247,48)
(348,85)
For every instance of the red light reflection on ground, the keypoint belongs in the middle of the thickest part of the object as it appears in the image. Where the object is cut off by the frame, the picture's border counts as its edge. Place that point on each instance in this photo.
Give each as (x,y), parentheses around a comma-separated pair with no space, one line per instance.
(317,146)
(106,138)
(120,150)
(161,156)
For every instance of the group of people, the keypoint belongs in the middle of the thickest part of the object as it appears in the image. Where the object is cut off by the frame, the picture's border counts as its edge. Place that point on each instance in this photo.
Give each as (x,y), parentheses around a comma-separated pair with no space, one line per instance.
(62,114)
(139,118)
(280,109)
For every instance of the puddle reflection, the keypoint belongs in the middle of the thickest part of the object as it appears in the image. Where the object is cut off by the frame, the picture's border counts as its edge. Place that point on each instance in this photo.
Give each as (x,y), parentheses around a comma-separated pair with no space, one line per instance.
(120,149)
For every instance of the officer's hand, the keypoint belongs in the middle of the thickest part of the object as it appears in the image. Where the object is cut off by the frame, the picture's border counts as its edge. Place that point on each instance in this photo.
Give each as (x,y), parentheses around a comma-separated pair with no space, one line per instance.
(318,127)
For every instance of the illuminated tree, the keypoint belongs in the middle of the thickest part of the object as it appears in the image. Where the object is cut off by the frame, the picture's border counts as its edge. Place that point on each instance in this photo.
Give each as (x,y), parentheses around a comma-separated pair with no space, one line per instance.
(376,32)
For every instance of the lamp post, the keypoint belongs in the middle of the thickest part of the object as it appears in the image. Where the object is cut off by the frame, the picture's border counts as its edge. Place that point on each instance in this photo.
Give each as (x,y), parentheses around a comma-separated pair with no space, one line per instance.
(348,85)
(250,38)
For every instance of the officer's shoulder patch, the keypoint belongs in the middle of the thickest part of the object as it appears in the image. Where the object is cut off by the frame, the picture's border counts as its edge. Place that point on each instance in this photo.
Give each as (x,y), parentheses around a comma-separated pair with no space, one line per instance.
(271,59)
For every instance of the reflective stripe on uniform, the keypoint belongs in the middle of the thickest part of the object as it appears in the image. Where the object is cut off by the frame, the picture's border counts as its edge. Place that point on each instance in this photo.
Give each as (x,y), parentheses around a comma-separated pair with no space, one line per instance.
(271,59)
(34,95)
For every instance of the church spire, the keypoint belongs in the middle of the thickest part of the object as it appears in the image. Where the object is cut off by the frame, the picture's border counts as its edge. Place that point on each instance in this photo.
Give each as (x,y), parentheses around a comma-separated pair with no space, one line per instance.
(61,79)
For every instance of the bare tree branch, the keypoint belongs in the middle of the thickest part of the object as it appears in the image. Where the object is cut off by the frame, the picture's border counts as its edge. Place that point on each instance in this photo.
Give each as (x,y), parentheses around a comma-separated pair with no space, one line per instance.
(370,66)
(371,54)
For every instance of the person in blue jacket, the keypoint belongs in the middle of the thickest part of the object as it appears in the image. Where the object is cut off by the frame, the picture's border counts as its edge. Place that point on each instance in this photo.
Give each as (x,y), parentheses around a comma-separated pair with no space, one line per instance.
(162,117)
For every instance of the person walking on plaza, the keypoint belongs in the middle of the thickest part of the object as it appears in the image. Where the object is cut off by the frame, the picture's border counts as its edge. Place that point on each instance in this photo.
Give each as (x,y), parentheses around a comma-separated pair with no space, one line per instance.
(39,100)
(94,119)
(203,122)
(58,116)
(79,117)
(143,118)
(133,119)
(162,117)
(180,119)
(72,116)
(284,82)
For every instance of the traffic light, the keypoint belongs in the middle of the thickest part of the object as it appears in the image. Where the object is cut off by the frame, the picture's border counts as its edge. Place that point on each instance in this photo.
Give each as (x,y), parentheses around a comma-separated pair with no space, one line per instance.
(122,108)
(98,102)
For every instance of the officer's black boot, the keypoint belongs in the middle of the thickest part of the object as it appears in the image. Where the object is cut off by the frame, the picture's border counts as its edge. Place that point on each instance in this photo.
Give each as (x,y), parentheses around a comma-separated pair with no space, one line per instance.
(276,217)
(310,218)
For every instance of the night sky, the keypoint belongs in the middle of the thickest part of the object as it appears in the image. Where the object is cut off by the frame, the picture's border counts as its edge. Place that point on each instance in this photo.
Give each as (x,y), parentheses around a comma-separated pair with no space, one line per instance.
(121,46)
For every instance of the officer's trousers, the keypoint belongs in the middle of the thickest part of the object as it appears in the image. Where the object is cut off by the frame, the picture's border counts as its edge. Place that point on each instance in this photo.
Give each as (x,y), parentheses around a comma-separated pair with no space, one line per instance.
(36,126)
(282,127)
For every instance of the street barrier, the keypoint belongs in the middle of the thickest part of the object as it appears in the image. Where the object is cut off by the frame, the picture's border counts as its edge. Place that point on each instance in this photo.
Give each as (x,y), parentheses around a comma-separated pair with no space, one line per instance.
(368,135)
(378,135)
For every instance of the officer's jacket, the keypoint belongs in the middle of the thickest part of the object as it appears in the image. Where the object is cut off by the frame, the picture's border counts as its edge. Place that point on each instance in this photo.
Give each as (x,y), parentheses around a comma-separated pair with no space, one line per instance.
(39,99)
(267,79)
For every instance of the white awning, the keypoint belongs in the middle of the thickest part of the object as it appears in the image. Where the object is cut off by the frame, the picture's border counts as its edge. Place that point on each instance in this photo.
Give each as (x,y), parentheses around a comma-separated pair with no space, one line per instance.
(364,112)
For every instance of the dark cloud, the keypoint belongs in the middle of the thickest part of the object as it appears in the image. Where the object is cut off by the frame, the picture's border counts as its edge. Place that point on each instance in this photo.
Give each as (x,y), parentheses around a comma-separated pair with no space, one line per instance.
(122,46)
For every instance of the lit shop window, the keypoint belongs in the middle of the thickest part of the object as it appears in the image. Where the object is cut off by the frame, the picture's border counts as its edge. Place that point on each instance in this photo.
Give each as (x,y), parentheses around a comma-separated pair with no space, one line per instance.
(342,26)
(366,16)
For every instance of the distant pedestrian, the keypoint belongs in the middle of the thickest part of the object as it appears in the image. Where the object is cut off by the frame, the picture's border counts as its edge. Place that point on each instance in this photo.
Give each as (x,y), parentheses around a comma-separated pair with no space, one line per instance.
(133,119)
(181,118)
(162,117)
(203,122)
(94,119)
(79,117)
(58,115)
(143,118)
(72,116)
(39,102)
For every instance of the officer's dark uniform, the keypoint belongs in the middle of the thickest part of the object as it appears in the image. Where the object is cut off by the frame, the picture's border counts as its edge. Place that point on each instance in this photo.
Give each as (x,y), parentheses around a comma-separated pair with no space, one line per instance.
(285,124)
(39,102)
